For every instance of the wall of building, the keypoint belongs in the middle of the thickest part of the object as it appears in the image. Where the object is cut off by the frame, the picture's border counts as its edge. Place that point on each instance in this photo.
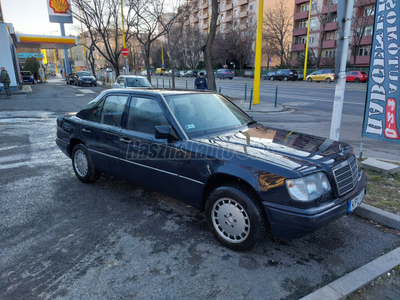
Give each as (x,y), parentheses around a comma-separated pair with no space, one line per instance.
(8,56)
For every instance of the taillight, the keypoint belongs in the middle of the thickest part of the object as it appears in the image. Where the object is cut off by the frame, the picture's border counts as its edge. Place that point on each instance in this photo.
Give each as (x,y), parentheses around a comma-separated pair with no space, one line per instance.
(226,72)
(233,73)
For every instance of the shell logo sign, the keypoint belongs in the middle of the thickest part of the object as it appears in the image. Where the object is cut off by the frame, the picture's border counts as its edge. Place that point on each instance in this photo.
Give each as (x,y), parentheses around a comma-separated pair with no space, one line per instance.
(59,6)
(59,11)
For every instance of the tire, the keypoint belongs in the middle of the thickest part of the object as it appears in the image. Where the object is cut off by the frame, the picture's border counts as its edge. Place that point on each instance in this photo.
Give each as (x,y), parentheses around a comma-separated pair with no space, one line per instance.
(357,80)
(328,80)
(82,163)
(235,218)
(230,78)
(285,78)
(271,78)
(309,80)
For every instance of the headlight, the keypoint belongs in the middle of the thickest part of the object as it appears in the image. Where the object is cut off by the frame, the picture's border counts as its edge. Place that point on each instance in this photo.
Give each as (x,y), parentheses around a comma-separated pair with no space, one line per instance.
(308,188)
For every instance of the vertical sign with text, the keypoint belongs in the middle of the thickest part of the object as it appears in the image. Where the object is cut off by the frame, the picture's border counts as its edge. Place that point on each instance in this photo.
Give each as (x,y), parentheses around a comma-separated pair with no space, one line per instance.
(381,119)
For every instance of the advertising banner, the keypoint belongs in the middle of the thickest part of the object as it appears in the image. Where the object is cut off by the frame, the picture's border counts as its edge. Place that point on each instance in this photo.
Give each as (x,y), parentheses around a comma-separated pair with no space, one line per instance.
(59,11)
(382,119)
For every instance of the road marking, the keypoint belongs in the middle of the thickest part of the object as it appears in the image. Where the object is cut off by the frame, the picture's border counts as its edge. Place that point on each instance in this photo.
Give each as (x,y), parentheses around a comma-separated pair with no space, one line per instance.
(86,91)
(79,95)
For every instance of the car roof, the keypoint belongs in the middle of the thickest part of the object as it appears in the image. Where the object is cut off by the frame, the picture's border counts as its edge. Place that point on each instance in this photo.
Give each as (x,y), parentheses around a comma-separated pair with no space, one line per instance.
(157,92)
(132,76)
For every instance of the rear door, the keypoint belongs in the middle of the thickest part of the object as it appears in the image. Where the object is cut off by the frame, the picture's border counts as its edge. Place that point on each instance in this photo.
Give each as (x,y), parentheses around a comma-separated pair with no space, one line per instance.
(101,132)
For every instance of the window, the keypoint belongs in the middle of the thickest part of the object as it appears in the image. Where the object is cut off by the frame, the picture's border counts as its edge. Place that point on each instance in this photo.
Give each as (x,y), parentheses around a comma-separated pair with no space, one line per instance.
(312,22)
(368,30)
(304,7)
(330,53)
(144,114)
(364,50)
(112,110)
(369,10)
(311,39)
(251,7)
(94,115)
(303,24)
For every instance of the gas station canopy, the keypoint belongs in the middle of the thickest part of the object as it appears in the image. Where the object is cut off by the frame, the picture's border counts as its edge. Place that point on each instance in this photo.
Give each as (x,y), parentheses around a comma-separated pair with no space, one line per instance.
(45,42)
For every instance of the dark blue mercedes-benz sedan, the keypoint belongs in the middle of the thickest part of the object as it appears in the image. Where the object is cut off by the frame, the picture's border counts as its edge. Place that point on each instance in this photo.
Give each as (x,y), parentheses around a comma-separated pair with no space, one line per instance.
(200,148)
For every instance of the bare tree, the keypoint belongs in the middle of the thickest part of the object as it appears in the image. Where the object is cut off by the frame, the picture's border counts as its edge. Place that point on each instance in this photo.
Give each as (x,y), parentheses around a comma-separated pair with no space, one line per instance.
(324,19)
(363,17)
(207,47)
(192,41)
(102,19)
(277,27)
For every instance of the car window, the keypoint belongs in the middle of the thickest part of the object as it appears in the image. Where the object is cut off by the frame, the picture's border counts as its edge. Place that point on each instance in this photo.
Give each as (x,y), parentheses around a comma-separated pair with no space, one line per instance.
(137,82)
(112,110)
(202,113)
(144,114)
(348,73)
(94,115)
(362,72)
(354,73)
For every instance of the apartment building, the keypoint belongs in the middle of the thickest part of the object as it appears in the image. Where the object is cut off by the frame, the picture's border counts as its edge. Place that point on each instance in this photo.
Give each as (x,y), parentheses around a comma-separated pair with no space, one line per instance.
(324,31)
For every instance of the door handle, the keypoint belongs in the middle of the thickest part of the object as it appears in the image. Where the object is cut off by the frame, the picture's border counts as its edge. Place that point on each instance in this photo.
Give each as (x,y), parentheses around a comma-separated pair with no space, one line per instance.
(125,140)
(86,130)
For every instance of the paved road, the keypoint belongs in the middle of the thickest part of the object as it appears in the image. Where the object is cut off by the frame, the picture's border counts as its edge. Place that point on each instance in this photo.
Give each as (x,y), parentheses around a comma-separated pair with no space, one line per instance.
(62,239)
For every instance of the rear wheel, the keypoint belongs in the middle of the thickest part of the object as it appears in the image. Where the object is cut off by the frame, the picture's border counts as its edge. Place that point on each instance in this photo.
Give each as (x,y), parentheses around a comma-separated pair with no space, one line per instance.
(271,78)
(235,218)
(328,80)
(82,163)
(357,80)
(285,78)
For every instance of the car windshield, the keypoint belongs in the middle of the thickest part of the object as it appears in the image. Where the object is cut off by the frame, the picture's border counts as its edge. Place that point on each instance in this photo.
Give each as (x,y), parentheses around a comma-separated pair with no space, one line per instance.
(137,82)
(205,113)
(84,74)
(26,73)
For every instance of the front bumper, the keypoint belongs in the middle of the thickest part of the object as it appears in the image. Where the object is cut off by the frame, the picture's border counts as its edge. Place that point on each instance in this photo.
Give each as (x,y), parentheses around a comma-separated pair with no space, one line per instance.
(295,223)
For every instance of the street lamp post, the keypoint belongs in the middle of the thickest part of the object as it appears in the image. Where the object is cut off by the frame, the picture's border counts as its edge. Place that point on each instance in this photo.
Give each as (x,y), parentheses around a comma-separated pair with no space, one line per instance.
(123,37)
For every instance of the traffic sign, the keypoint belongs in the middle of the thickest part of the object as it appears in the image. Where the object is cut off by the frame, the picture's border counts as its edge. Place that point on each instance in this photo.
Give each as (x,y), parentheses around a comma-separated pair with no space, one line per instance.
(125,51)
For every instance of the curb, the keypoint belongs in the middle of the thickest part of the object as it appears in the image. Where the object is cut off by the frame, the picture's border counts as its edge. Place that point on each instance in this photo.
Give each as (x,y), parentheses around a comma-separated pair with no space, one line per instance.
(355,280)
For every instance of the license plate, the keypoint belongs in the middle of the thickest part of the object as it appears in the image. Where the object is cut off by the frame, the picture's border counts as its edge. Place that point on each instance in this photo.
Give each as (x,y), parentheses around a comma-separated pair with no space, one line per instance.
(353,204)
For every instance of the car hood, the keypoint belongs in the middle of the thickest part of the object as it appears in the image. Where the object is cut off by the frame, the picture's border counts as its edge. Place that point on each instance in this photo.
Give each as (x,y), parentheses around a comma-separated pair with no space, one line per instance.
(86,77)
(296,151)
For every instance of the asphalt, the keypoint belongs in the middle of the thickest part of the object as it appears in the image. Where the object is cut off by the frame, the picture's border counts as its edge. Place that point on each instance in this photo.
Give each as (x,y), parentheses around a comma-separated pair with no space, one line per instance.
(364,275)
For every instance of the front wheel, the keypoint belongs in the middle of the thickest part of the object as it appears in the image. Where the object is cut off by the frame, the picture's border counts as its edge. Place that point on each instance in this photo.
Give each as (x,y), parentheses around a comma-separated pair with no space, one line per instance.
(82,163)
(271,78)
(285,78)
(235,218)
(309,80)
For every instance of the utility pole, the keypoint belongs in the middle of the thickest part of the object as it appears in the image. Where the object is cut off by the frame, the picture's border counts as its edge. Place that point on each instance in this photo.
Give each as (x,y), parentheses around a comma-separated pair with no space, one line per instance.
(341,78)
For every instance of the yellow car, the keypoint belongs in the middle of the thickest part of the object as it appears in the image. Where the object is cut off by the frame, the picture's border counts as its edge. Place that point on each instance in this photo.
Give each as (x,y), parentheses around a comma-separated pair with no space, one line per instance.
(160,71)
(326,75)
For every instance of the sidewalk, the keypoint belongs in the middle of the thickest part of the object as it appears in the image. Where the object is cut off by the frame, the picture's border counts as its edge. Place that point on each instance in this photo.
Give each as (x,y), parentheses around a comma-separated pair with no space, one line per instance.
(26,89)
(357,279)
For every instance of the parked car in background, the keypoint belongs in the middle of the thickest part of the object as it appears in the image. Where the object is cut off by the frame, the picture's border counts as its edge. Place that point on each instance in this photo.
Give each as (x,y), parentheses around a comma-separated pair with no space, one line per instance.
(224,73)
(191,73)
(205,151)
(267,76)
(284,74)
(131,81)
(81,77)
(300,76)
(27,76)
(326,75)
(160,71)
(144,73)
(183,73)
(176,73)
(356,76)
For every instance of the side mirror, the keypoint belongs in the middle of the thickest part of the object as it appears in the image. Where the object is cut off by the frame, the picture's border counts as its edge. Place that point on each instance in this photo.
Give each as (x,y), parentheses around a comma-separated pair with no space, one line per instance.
(165,132)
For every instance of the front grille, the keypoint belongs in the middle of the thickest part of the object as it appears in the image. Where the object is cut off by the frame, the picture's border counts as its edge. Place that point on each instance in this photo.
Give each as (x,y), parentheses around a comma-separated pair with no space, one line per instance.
(346,176)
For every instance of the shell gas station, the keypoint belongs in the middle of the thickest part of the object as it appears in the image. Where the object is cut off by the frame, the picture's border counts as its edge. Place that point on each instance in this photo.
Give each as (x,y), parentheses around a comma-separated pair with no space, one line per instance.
(11,42)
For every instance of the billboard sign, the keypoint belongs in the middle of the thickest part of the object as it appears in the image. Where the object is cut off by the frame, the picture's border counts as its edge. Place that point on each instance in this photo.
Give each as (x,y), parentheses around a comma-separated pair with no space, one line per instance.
(59,11)
(382,118)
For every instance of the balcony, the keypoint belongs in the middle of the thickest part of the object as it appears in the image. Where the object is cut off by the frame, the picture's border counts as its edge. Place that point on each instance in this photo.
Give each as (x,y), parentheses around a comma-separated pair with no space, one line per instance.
(243,14)
(299,31)
(331,8)
(361,61)
(366,40)
(331,26)
(228,19)
(195,20)
(298,47)
(204,5)
(242,2)
(205,26)
(204,16)
(329,44)
(243,26)
(301,1)
(301,15)
(228,6)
